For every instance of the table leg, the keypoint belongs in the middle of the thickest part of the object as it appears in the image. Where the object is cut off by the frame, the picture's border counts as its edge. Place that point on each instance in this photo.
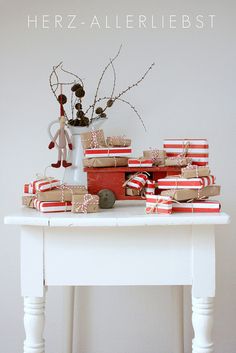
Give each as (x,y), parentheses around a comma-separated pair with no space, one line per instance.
(68,318)
(202,319)
(34,318)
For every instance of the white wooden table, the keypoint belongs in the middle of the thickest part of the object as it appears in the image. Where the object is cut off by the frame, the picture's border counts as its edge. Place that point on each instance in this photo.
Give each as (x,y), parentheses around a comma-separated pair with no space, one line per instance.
(122,246)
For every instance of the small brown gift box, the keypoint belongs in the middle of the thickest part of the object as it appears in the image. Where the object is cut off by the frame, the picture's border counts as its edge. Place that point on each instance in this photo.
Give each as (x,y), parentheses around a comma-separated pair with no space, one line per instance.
(28,200)
(132,192)
(194,171)
(118,141)
(85,203)
(188,194)
(177,161)
(93,139)
(158,156)
(102,162)
(62,193)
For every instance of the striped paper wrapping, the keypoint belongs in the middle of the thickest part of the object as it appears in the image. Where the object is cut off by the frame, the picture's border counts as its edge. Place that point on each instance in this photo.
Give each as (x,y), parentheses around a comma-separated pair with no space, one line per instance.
(182,183)
(150,187)
(29,189)
(140,162)
(197,149)
(52,206)
(41,185)
(138,181)
(107,152)
(197,206)
(158,204)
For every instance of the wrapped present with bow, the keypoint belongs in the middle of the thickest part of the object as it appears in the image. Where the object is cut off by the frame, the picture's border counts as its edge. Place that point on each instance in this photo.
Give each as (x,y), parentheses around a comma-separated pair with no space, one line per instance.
(41,184)
(159,204)
(206,206)
(62,193)
(85,203)
(196,149)
(107,152)
(52,206)
(93,139)
(178,161)
(118,141)
(28,200)
(195,171)
(177,182)
(157,156)
(140,162)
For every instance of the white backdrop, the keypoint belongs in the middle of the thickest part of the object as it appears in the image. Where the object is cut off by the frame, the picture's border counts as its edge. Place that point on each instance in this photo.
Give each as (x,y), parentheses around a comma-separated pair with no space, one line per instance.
(189,93)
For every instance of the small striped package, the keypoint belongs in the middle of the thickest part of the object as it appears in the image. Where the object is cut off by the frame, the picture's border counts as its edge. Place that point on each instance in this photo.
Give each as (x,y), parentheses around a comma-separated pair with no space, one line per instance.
(207,206)
(44,184)
(183,183)
(150,187)
(158,204)
(140,162)
(196,149)
(107,152)
(52,206)
(137,181)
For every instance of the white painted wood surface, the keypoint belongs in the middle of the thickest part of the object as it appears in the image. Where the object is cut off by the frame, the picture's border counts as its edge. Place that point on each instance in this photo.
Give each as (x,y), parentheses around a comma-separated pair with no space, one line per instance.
(122,246)
(126,214)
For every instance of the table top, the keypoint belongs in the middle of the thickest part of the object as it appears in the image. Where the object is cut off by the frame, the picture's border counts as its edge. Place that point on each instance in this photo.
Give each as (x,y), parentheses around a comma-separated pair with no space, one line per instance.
(125,213)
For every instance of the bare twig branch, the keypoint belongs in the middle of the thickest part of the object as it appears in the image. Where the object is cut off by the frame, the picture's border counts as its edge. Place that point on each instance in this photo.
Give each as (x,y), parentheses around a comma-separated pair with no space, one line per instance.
(101,78)
(135,110)
(134,84)
(114,79)
(76,76)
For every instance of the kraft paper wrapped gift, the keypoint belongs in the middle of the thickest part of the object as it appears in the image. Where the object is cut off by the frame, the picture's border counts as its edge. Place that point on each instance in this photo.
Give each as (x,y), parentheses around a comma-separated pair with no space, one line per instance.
(158,156)
(197,149)
(52,206)
(187,194)
(85,203)
(195,171)
(177,161)
(132,192)
(107,152)
(104,162)
(207,206)
(28,200)
(118,141)
(177,182)
(93,139)
(62,193)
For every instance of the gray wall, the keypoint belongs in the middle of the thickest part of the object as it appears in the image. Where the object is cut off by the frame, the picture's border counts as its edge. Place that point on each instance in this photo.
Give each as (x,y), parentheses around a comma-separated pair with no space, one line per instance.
(190,92)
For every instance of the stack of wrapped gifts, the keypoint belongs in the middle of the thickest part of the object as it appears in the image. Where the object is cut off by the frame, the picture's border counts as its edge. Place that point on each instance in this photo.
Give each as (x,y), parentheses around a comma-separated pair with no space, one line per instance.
(189,191)
(99,151)
(49,195)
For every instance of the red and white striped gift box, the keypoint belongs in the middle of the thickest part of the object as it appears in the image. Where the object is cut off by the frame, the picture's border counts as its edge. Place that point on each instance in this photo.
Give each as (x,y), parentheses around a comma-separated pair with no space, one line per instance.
(197,206)
(182,183)
(197,149)
(142,162)
(52,206)
(137,182)
(41,185)
(107,152)
(150,187)
(159,204)
(28,189)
